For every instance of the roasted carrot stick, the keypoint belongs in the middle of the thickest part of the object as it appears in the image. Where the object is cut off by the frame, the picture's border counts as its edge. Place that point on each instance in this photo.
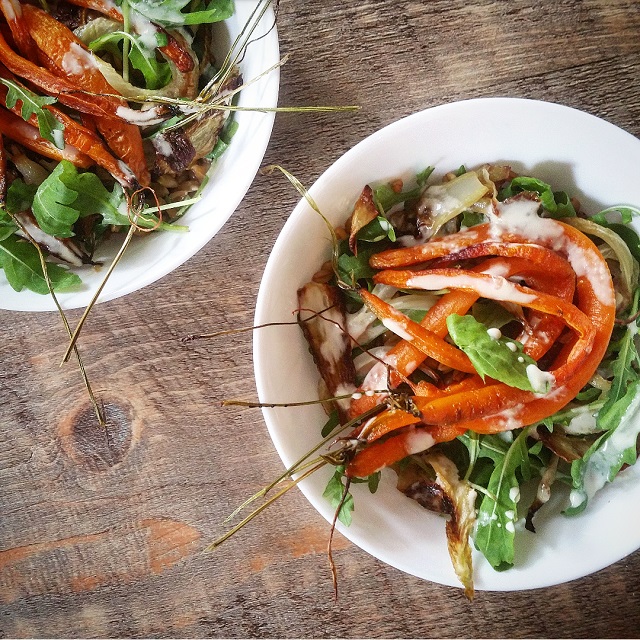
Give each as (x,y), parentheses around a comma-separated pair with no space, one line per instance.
(12,11)
(66,92)
(510,408)
(66,55)
(17,129)
(426,341)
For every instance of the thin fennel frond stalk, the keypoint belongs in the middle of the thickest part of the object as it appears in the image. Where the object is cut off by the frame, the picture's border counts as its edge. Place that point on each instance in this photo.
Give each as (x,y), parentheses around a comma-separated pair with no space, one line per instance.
(96,295)
(262,507)
(126,45)
(134,217)
(296,466)
(85,378)
(236,50)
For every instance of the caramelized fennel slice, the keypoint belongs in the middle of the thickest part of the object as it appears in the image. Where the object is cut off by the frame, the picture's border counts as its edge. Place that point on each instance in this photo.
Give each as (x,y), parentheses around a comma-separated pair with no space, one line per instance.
(322,317)
(443,492)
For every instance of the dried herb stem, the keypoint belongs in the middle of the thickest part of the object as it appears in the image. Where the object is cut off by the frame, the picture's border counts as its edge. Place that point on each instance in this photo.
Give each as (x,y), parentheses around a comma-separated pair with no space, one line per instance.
(262,507)
(97,408)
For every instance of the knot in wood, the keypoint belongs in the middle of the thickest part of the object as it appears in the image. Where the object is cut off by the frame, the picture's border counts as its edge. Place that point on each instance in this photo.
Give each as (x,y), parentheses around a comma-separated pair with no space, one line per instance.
(96,447)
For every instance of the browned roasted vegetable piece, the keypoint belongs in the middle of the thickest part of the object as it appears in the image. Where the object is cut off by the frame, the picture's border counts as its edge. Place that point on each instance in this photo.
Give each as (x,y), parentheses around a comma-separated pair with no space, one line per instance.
(364,212)
(444,492)
(322,317)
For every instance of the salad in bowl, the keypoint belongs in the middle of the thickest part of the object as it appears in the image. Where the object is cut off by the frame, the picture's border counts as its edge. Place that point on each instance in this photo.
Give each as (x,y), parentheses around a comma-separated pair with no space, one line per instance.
(467,320)
(117,119)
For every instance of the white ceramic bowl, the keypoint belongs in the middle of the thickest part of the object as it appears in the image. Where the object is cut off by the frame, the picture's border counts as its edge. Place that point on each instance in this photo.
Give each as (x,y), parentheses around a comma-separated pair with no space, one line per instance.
(152,256)
(572,150)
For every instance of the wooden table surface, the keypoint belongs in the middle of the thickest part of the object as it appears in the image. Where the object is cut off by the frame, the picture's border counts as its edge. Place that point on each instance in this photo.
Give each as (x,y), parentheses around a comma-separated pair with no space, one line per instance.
(103,536)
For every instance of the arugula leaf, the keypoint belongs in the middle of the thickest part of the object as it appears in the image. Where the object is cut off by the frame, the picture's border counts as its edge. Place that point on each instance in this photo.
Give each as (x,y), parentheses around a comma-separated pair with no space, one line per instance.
(22,267)
(7,226)
(331,423)
(378,229)
(617,418)
(169,12)
(609,453)
(67,195)
(623,371)
(20,196)
(557,203)
(497,513)
(471,219)
(385,198)
(52,200)
(50,127)
(353,268)
(498,358)
(156,73)
(335,492)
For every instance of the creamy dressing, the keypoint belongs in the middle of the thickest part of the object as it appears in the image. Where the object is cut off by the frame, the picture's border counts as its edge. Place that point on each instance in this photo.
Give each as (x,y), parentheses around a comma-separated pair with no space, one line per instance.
(11,10)
(596,471)
(77,60)
(333,346)
(583,422)
(141,117)
(510,419)
(396,328)
(418,441)
(58,138)
(144,28)
(494,333)
(497,288)
(520,217)
(162,145)
(541,381)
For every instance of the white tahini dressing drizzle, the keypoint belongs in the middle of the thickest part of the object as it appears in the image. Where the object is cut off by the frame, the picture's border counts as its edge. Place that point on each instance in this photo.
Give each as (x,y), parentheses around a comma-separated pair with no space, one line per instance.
(497,289)
(541,381)
(520,217)
(596,471)
(397,329)
(77,60)
(418,441)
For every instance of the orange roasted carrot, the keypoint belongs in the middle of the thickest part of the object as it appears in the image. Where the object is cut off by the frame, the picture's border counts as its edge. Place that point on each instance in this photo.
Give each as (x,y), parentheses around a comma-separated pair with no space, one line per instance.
(387,421)
(66,92)
(68,57)
(382,453)
(426,341)
(17,129)
(595,299)
(12,11)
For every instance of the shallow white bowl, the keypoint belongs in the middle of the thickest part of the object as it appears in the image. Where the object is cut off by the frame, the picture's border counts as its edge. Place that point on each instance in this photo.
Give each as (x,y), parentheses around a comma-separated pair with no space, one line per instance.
(572,150)
(152,256)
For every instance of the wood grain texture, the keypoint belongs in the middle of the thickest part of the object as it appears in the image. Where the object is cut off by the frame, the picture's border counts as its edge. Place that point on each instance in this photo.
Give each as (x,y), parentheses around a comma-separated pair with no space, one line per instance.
(101,533)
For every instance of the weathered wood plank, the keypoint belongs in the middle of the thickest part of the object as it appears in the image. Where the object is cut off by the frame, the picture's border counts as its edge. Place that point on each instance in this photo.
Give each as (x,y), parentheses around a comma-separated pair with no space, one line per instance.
(101,534)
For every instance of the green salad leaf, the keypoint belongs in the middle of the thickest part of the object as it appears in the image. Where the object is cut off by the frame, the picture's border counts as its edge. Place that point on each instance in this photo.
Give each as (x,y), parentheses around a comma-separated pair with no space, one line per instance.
(497,512)
(155,72)
(23,269)
(385,198)
(557,203)
(499,358)
(50,127)
(176,13)
(335,494)
(618,421)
